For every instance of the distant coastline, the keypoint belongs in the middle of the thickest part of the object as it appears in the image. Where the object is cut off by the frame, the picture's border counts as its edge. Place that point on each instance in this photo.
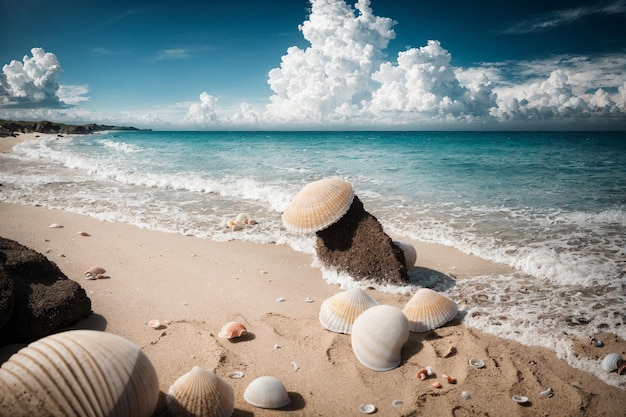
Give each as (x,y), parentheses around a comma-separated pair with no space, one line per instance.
(12,127)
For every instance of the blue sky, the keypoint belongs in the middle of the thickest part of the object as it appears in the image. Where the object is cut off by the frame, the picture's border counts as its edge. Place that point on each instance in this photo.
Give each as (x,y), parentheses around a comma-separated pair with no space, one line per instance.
(319,64)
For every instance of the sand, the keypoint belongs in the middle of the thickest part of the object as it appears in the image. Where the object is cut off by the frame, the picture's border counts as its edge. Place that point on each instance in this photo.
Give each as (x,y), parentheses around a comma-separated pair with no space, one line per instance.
(194,286)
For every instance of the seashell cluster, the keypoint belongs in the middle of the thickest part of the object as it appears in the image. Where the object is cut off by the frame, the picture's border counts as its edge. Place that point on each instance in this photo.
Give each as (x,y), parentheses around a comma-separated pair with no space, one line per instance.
(612,362)
(337,313)
(232,329)
(428,309)
(410,254)
(378,335)
(318,205)
(240,222)
(266,392)
(79,373)
(200,393)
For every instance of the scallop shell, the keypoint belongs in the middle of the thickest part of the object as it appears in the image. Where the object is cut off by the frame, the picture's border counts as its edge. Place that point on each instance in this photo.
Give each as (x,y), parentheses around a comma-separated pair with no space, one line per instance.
(337,313)
(318,205)
(410,254)
(611,362)
(477,363)
(232,329)
(378,335)
(200,393)
(367,408)
(266,392)
(428,309)
(79,373)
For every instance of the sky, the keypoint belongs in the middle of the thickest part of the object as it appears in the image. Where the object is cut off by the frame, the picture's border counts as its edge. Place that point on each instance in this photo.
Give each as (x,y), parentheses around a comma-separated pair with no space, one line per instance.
(316,64)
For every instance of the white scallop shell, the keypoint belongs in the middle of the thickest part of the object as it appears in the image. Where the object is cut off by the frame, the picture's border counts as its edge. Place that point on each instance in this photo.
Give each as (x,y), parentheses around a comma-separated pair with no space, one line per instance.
(428,309)
(477,363)
(318,205)
(79,373)
(266,392)
(200,393)
(611,362)
(337,313)
(378,335)
(410,254)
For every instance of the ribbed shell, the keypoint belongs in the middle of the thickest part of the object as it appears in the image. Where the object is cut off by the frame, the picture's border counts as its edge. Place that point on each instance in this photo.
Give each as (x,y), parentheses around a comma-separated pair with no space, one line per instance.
(318,205)
(232,329)
(428,309)
(266,392)
(378,335)
(410,255)
(79,373)
(611,362)
(337,313)
(200,393)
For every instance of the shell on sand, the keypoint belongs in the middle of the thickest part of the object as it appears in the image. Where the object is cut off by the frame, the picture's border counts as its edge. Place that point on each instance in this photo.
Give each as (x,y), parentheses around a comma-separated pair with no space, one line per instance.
(428,309)
(318,205)
(410,254)
(266,392)
(79,373)
(378,335)
(200,393)
(338,312)
(612,361)
(232,329)
(95,270)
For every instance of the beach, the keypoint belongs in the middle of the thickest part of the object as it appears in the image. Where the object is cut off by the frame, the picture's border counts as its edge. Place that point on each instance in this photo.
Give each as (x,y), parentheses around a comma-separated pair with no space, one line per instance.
(194,286)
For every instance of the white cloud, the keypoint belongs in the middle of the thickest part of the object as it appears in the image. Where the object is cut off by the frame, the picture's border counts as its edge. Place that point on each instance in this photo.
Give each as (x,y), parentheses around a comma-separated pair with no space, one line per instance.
(172,54)
(33,82)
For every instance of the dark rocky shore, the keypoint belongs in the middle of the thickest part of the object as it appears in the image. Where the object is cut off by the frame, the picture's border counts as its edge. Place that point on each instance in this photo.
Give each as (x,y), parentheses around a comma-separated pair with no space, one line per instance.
(11,128)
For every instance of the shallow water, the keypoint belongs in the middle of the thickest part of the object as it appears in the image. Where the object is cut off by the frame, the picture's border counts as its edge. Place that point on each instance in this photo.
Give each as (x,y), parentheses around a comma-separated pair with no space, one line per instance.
(551,205)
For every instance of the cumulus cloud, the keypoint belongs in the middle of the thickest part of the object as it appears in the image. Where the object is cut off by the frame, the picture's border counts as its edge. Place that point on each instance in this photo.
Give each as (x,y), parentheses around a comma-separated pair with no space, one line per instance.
(33,82)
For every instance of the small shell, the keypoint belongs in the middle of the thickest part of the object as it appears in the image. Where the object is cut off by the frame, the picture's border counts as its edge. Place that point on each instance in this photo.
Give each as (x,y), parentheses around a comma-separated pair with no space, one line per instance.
(612,362)
(367,408)
(236,227)
(410,255)
(622,369)
(230,223)
(422,374)
(378,335)
(466,394)
(232,329)
(200,393)
(397,403)
(449,379)
(597,342)
(428,309)
(266,392)
(547,393)
(154,323)
(318,205)
(520,399)
(477,363)
(295,366)
(308,300)
(241,217)
(95,270)
(56,226)
(252,222)
(236,375)
(437,384)
(338,313)
(84,234)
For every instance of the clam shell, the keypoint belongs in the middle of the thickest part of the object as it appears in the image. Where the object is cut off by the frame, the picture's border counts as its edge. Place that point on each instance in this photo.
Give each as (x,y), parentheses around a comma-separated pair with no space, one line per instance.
(232,329)
(318,205)
(410,254)
(520,399)
(266,392)
(367,408)
(337,313)
(200,393)
(611,362)
(378,335)
(428,309)
(79,373)
(95,270)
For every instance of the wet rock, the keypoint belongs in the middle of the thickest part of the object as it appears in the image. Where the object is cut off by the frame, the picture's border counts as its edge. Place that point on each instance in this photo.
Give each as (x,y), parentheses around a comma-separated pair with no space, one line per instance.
(358,246)
(44,300)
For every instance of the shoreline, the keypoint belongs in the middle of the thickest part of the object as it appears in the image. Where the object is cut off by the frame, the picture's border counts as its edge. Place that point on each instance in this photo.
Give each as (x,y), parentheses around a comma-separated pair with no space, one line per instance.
(197,285)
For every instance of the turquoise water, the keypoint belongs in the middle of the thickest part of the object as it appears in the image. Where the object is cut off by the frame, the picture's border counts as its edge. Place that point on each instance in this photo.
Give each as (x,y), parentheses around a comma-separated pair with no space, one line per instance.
(551,205)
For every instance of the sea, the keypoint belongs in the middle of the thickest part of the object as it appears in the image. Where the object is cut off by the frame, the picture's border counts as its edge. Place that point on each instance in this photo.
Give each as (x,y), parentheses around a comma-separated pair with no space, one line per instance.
(549,205)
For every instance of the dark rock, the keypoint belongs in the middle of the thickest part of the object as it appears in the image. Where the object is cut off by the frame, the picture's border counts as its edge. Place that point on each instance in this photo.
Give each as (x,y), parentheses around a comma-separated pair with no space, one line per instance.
(44,299)
(6,297)
(358,246)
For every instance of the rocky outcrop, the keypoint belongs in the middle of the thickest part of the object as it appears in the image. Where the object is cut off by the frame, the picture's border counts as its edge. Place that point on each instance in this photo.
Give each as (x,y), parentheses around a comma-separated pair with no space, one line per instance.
(36,298)
(358,246)
(8,127)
